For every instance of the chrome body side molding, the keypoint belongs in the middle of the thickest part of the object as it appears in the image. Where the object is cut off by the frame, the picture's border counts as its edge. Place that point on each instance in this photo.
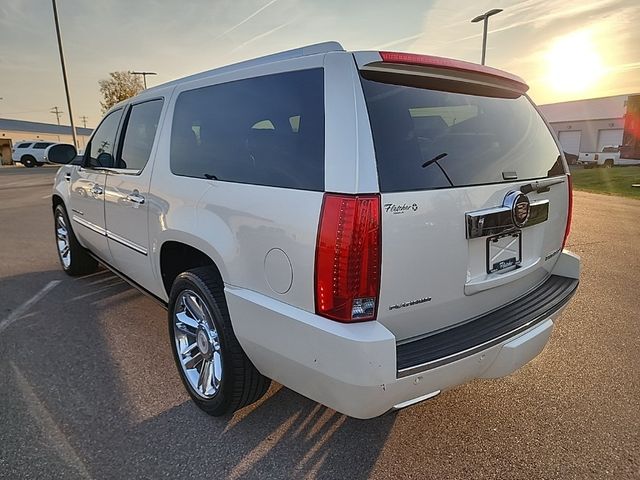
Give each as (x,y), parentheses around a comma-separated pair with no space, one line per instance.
(110,235)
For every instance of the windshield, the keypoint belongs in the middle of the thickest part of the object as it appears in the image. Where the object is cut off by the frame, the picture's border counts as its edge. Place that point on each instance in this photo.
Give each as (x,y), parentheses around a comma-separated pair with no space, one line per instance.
(427,139)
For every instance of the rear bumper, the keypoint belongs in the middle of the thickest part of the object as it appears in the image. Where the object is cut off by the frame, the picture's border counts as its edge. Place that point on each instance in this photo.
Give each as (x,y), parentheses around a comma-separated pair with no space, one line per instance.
(354,368)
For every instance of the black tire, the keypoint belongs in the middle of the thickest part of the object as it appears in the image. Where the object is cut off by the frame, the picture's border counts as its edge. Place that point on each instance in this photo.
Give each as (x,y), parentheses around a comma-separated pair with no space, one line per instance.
(241,384)
(608,163)
(80,262)
(28,161)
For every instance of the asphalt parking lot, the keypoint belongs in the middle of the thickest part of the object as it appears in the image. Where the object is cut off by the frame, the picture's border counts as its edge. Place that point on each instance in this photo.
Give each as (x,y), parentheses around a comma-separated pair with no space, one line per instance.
(88,388)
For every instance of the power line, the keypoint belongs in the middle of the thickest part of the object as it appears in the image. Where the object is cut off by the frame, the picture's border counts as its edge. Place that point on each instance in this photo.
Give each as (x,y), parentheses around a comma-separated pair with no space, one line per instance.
(57,112)
(26,111)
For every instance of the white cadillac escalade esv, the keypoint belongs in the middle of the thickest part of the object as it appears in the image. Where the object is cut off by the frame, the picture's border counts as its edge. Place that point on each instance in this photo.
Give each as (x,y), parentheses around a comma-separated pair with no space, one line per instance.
(366,228)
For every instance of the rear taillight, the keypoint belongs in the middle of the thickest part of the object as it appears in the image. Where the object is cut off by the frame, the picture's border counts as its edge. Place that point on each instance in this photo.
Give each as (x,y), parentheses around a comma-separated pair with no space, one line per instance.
(348,258)
(596,156)
(567,229)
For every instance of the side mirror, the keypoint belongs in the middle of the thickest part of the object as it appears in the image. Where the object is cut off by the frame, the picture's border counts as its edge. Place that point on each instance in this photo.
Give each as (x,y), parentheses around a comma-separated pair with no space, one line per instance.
(61,153)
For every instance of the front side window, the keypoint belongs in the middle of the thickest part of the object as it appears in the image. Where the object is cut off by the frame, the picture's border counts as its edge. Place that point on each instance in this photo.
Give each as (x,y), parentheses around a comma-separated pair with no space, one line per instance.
(265,130)
(24,145)
(142,124)
(41,146)
(101,147)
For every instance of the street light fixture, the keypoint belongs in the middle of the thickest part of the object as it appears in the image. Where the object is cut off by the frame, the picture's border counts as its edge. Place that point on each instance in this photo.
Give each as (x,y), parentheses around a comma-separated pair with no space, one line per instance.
(485,19)
(144,76)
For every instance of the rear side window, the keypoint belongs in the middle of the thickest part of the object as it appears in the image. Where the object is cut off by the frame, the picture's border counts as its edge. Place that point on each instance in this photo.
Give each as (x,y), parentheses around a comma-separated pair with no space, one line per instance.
(428,139)
(265,131)
(142,123)
(41,146)
(24,145)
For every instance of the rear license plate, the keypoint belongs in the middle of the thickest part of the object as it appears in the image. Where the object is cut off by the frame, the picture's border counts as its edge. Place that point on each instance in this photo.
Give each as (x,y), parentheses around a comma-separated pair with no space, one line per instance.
(504,252)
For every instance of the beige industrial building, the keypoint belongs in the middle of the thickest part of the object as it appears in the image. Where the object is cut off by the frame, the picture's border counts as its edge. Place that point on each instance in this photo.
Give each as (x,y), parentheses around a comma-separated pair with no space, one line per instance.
(590,125)
(14,131)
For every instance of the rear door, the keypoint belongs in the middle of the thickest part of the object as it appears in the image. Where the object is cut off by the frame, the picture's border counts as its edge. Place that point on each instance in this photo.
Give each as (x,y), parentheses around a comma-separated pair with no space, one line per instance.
(127,189)
(461,233)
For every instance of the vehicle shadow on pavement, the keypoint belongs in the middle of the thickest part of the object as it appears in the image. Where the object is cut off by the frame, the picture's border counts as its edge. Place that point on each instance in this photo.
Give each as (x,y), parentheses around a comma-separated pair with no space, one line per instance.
(89,390)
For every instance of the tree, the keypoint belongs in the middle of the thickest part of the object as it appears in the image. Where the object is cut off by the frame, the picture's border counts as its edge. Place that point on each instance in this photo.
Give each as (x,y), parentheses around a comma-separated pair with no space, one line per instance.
(120,86)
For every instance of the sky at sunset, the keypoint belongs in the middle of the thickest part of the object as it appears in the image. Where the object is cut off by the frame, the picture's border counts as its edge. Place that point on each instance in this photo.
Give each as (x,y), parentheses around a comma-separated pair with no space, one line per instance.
(565,50)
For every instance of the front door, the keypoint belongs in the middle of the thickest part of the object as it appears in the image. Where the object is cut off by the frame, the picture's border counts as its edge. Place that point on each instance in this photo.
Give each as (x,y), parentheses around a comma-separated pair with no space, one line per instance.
(88,186)
(127,188)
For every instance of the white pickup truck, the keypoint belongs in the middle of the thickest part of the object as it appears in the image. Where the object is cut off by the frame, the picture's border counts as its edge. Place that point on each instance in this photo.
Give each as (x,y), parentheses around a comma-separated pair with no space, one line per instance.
(607,158)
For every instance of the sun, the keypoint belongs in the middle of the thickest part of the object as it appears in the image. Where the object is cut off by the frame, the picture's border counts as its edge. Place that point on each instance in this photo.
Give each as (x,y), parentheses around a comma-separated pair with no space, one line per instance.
(574,64)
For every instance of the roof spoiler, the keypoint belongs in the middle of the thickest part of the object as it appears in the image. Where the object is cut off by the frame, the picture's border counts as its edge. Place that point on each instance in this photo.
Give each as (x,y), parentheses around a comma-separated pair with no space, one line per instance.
(429,65)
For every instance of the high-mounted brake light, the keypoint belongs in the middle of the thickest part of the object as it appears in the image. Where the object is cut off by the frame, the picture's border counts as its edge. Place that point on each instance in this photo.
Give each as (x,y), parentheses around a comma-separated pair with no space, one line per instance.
(348,258)
(567,229)
(451,64)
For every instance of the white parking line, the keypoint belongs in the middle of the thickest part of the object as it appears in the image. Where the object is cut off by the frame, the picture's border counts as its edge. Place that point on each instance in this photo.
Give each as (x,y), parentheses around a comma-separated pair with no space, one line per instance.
(18,312)
(58,440)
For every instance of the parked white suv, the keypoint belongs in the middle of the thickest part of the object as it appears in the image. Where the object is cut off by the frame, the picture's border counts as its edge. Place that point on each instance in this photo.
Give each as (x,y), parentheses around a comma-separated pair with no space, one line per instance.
(368,229)
(31,154)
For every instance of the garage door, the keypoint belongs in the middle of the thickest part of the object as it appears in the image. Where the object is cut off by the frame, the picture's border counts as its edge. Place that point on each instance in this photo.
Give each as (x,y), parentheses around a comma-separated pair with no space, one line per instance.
(570,141)
(609,137)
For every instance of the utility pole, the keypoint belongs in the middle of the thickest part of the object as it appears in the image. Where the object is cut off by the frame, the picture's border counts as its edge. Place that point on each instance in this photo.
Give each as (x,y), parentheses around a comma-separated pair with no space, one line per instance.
(57,112)
(485,19)
(64,74)
(84,120)
(144,76)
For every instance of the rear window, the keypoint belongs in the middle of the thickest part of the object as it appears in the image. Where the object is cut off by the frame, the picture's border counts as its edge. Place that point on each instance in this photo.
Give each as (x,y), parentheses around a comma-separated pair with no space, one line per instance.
(265,130)
(429,139)
(41,146)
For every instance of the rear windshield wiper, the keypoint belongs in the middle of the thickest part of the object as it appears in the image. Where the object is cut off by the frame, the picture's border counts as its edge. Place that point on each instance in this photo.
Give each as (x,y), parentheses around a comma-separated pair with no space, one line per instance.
(540,186)
(434,159)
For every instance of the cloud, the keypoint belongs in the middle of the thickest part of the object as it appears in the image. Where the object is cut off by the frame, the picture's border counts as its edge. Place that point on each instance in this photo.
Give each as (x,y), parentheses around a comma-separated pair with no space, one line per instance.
(264,34)
(537,13)
(247,19)
(398,41)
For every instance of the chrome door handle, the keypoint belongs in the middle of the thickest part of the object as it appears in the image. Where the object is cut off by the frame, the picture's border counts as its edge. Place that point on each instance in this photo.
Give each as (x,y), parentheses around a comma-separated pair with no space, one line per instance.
(97,189)
(136,198)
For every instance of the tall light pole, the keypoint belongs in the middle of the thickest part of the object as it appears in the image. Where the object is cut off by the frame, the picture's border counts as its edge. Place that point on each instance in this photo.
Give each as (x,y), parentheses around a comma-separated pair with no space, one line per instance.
(144,76)
(64,74)
(485,18)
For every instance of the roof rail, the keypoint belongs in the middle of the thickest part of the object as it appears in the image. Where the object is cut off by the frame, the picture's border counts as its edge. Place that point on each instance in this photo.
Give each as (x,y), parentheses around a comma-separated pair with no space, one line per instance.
(314,49)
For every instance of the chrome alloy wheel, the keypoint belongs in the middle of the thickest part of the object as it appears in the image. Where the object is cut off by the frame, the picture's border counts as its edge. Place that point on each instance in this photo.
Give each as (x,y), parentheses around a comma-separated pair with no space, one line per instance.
(197,344)
(62,239)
